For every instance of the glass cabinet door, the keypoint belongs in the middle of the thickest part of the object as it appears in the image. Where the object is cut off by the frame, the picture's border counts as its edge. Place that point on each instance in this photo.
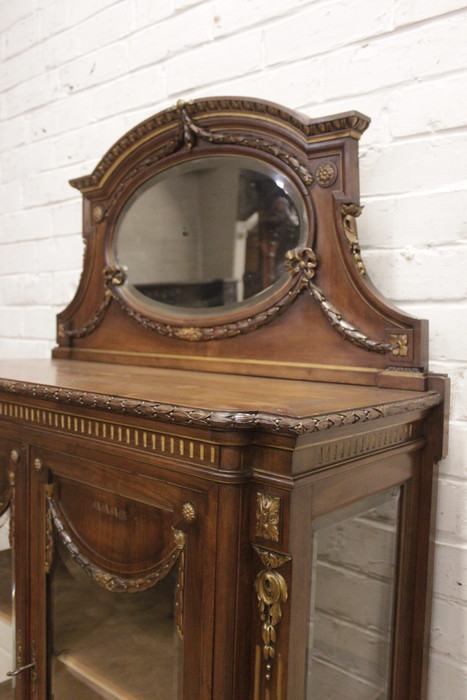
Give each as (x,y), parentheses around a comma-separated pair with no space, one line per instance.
(108,644)
(352,593)
(10,641)
(115,589)
(6,599)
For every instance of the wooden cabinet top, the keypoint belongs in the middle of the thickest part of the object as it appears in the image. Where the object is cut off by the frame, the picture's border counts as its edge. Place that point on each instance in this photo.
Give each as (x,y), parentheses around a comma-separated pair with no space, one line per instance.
(219,401)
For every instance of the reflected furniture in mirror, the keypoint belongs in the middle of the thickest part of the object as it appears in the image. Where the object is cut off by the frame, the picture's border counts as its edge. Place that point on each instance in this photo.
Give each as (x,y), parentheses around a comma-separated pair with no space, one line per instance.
(221,485)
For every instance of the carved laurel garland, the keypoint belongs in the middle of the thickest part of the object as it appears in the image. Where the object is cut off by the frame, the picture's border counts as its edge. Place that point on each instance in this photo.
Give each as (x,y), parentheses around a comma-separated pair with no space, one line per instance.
(192,130)
(114,582)
(301,262)
(313,129)
(115,276)
(187,134)
(219,419)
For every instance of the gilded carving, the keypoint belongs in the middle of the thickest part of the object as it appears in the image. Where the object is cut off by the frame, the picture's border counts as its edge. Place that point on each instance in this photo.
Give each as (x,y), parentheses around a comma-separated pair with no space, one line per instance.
(192,130)
(98,213)
(38,466)
(349,213)
(301,263)
(112,433)
(205,333)
(271,560)
(272,594)
(326,174)
(49,535)
(399,343)
(113,277)
(111,581)
(179,605)
(189,512)
(11,534)
(312,130)
(271,590)
(192,334)
(268,510)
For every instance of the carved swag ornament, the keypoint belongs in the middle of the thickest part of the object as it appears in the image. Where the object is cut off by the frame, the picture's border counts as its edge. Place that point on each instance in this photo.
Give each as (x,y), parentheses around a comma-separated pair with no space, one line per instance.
(301,263)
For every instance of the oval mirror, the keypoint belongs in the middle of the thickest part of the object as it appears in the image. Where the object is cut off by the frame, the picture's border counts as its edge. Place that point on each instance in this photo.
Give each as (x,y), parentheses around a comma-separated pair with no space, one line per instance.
(210,233)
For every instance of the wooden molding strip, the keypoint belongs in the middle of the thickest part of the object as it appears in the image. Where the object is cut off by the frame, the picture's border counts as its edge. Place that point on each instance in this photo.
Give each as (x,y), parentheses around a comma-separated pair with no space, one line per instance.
(247,420)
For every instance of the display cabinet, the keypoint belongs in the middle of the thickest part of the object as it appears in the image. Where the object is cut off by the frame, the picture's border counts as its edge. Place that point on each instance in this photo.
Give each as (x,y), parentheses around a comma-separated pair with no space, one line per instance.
(221,485)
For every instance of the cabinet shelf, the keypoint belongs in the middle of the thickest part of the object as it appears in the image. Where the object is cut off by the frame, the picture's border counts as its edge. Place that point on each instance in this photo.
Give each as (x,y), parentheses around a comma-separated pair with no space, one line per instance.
(94,631)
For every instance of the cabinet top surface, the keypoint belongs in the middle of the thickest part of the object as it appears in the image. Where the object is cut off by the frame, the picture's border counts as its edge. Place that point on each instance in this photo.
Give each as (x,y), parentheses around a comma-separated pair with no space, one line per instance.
(218,400)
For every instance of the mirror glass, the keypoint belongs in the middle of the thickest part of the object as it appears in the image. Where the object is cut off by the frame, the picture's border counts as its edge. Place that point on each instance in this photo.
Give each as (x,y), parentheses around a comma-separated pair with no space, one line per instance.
(210,232)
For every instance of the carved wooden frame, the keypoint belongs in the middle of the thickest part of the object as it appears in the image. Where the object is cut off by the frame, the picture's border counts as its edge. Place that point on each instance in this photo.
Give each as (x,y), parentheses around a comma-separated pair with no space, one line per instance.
(320,157)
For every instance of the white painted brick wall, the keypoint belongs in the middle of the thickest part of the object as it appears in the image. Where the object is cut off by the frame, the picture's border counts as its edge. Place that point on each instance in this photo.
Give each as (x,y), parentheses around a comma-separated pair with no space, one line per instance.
(75,75)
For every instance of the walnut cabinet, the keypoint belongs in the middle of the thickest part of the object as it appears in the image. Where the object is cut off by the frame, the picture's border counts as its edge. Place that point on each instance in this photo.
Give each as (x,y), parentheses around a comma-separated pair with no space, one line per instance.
(221,485)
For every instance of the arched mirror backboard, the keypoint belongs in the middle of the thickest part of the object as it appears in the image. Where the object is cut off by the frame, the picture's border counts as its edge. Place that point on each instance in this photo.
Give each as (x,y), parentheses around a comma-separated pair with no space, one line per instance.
(219,218)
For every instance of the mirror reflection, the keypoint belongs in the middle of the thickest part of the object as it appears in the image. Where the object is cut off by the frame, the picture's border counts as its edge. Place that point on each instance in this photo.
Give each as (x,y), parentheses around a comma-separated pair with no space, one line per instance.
(210,232)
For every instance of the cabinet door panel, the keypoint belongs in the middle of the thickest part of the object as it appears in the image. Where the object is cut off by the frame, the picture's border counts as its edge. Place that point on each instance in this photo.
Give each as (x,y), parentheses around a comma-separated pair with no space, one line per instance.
(16,653)
(117,532)
(119,574)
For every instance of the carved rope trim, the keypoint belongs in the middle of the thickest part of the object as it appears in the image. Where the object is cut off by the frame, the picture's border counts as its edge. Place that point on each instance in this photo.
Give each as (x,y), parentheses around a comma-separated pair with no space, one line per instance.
(114,582)
(182,415)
